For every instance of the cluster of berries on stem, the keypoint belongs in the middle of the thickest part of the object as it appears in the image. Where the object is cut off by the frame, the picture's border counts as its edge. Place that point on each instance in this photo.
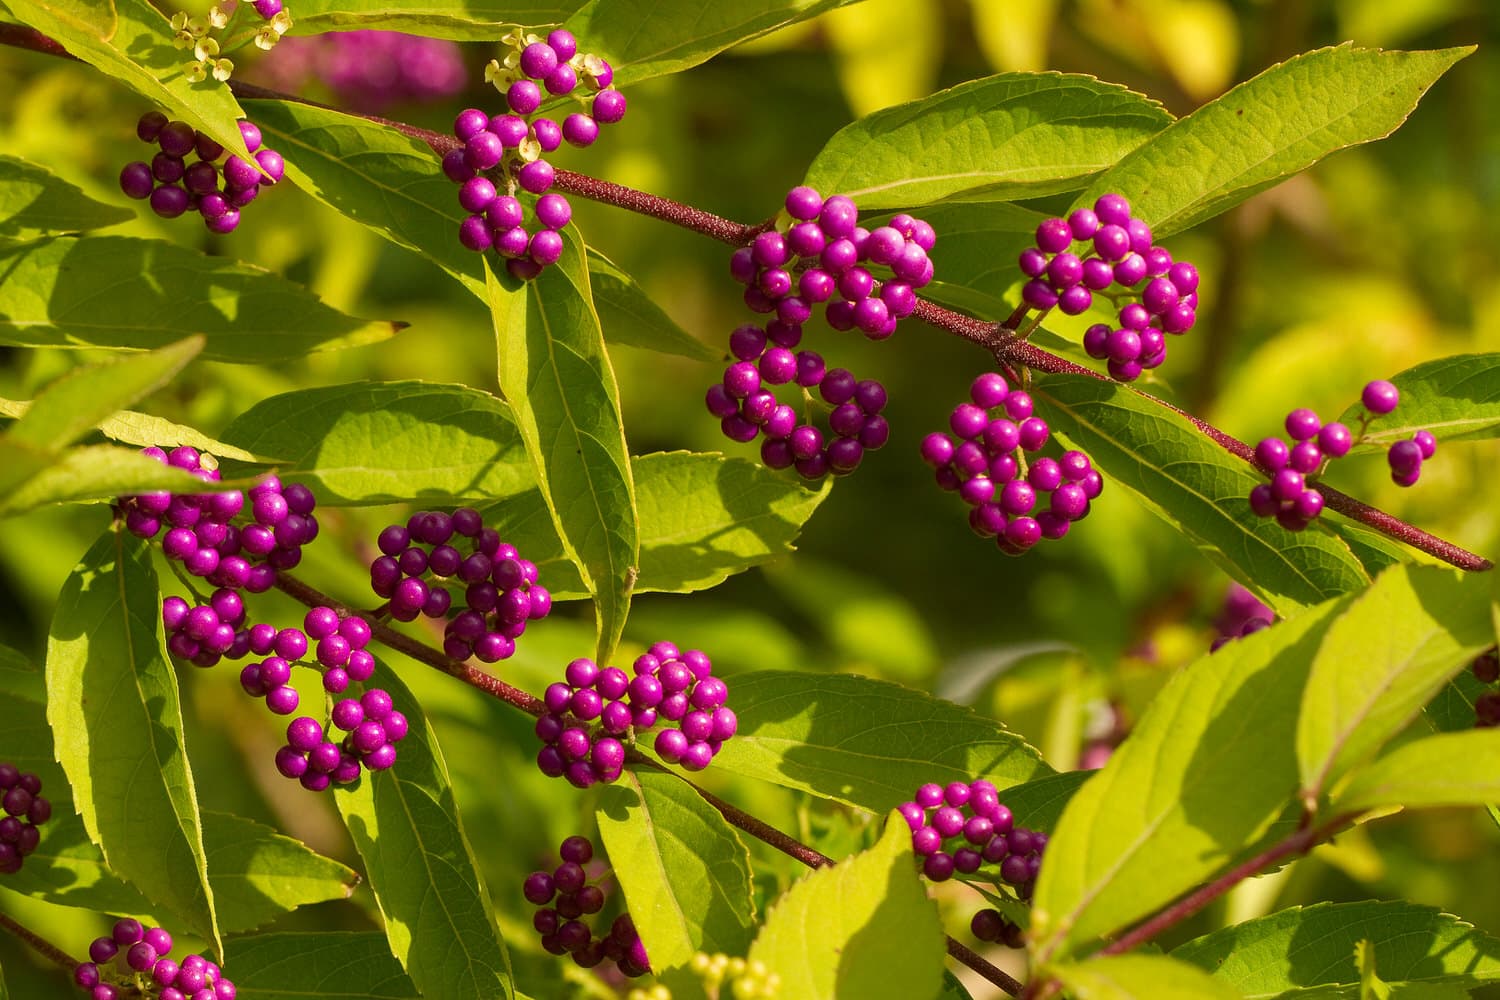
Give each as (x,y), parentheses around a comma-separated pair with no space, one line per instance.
(993,926)
(1096,249)
(1290,496)
(724,976)
(501,593)
(372,728)
(215,191)
(985,461)
(822,253)
(962,827)
(506,151)
(25,811)
(140,967)
(568,894)
(594,711)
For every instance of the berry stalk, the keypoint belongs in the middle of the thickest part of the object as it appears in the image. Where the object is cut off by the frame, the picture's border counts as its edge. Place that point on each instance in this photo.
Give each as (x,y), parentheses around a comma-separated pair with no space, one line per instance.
(38,943)
(998,338)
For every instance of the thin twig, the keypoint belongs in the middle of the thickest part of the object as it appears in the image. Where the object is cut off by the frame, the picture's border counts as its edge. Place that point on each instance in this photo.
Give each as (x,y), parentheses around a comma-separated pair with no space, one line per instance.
(39,943)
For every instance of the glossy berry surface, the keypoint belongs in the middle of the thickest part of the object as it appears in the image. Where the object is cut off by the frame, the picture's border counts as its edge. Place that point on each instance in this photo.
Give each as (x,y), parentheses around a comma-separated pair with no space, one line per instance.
(569,899)
(24,811)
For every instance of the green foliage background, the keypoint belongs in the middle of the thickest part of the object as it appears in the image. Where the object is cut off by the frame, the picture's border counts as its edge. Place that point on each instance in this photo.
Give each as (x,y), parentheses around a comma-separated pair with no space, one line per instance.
(1378,259)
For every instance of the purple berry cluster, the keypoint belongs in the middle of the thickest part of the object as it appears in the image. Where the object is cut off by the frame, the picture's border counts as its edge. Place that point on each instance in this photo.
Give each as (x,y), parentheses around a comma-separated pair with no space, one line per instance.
(985,462)
(216,192)
(747,407)
(368,70)
(992,926)
(592,711)
(501,593)
(25,810)
(1243,614)
(565,896)
(971,819)
(340,653)
(1486,670)
(141,968)
(829,252)
(506,150)
(823,252)
(371,727)
(202,533)
(1094,249)
(1290,496)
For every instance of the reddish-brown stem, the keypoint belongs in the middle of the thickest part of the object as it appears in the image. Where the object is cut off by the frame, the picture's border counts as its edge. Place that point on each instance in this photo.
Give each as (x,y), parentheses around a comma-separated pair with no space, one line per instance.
(997,338)
(38,943)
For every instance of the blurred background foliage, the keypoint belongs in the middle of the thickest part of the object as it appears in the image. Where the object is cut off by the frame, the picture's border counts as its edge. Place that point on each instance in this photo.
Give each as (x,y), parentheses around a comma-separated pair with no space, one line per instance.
(1381,257)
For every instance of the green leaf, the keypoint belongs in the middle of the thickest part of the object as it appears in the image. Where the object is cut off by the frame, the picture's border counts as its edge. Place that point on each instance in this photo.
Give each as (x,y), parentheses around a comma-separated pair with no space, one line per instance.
(1157,454)
(1456,398)
(1452,769)
(143,429)
(1269,128)
(36,202)
(339,965)
(647,38)
(1304,948)
(1395,648)
(113,706)
(75,403)
(1209,767)
(979,243)
(1371,987)
(464,21)
(836,932)
(130,294)
(135,48)
(1039,804)
(1139,977)
(389,182)
(556,373)
(257,874)
(704,517)
(22,678)
(406,827)
(384,442)
(1009,136)
(864,742)
(94,472)
(685,873)
(631,317)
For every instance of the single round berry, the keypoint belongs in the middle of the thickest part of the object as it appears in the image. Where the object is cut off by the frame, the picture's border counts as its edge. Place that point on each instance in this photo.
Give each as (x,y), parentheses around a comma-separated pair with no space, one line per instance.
(1380,397)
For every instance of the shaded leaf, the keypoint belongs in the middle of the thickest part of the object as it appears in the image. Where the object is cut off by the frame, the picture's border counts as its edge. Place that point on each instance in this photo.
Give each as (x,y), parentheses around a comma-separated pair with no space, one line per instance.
(36,202)
(91,472)
(340,965)
(113,706)
(864,742)
(1009,136)
(646,38)
(406,826)
(130,294)
(75,403)
(1387,656)
(1457,398)
(703,517)
(384,442)
(1209,767)
(135,48)
(631,317)
(371,173)
(1308,947)
(257,874)
(464,21)
(557,375)
(1269,128)
(979,244)
(1157,454)
(834,933)
(685,873)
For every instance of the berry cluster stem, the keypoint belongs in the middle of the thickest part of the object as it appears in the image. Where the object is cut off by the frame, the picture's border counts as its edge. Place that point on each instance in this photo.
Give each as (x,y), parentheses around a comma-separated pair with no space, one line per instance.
(1000,339)
(38,943)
